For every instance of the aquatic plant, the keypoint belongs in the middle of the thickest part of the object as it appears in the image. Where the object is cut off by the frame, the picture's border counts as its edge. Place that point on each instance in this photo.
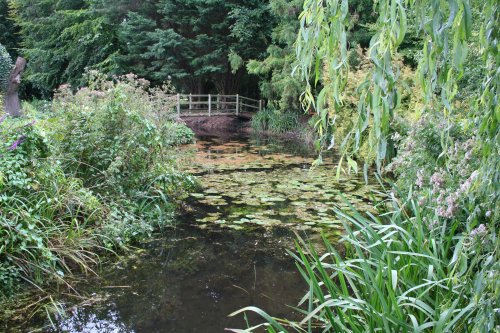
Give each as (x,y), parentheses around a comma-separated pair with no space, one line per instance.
(274,121)
(399,274)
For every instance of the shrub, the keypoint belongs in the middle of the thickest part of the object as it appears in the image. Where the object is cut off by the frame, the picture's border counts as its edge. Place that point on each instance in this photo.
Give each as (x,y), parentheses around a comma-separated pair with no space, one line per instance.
(94,173)
(41,209)
(5,68)
(177,134)
(112,138)
(274,121)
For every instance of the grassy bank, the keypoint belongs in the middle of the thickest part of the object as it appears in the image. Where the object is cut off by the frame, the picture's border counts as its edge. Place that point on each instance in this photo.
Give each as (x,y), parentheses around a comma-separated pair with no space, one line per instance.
(286,125)
(91,171)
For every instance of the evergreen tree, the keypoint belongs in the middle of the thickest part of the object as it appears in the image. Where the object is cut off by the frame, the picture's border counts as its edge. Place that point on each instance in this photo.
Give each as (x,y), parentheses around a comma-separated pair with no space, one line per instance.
(60,39)
(277,83)
(201,44)
(8,31)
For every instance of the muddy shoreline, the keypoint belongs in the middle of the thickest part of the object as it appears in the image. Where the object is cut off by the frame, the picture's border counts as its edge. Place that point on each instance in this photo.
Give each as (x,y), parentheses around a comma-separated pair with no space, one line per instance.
(230,126)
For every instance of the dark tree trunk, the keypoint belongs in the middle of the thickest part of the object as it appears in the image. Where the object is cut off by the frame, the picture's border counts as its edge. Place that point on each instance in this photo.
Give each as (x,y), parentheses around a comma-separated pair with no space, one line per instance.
(12,102)
(228,83)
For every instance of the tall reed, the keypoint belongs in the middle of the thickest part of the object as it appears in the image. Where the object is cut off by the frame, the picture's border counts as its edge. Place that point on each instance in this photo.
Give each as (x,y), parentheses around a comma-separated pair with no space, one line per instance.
(399,274)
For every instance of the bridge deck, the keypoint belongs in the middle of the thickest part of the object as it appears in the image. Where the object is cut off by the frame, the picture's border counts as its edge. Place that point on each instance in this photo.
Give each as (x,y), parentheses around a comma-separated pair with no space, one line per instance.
(242,115)
(216,105)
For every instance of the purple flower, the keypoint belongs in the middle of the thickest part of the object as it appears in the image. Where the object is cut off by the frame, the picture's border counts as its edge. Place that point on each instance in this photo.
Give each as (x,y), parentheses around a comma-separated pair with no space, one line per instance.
(479,231)
(420,178)
(437,179)
(468,183)
(440,198)
(16,143)
(431,223)
(451,207)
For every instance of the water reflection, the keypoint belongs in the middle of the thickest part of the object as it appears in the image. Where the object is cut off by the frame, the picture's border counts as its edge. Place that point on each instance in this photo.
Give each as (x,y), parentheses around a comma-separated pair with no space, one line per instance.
(191,282)
(229,250)
(83,321)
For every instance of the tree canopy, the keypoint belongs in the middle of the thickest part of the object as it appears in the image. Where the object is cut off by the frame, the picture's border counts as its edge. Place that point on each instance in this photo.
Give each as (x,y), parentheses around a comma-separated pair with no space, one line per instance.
(202,45)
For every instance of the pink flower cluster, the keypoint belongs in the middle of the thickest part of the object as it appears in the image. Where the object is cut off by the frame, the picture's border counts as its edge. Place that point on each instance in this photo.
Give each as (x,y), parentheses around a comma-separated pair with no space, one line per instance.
(450,208)
(420,179)
(464,188)
(437,179)
(479,231)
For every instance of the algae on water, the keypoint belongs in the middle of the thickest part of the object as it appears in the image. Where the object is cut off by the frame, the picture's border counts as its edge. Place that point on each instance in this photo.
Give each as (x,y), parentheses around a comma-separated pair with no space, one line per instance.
(244,185)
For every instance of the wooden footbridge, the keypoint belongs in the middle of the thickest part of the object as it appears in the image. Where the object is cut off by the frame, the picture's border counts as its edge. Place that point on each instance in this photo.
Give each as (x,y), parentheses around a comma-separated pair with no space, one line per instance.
(216,105)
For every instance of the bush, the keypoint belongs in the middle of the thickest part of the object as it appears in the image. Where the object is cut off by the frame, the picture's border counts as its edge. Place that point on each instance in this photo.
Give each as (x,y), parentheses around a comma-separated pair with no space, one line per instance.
(274,121)
(112,139)
(177,134)
(5,68)
(94,173)
(41,209)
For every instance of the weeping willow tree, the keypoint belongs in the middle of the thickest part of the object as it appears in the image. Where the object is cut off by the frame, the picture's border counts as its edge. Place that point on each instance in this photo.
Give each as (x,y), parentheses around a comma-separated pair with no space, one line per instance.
(427,263)
(446,28)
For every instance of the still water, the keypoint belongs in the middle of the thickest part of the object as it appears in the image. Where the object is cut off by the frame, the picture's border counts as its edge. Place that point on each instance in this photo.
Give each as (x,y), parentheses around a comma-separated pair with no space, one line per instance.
(228,250)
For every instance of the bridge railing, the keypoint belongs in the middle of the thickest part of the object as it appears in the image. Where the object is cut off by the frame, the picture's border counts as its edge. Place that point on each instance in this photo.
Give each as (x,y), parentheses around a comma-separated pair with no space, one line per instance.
(212,105)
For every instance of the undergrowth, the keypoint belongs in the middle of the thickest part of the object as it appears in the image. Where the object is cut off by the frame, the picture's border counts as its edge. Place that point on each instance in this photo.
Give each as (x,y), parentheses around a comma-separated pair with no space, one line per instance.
(90,172)
(275,121)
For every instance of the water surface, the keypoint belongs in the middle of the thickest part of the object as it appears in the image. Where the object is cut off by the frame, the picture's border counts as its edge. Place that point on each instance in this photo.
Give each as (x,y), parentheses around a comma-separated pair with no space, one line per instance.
(228,250)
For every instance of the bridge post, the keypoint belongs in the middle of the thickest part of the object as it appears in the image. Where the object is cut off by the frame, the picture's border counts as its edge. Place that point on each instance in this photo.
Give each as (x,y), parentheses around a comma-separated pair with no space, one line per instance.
(190,101)
(209,105)
(218,102)
(178,105)
(237,104)
(260,105)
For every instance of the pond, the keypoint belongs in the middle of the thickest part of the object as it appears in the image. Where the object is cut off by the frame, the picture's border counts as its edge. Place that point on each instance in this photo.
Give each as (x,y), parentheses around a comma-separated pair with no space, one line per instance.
(228,250)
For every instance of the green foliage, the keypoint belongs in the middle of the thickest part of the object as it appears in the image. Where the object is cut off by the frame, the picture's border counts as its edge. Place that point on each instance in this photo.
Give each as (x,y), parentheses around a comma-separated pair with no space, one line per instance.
(197,43)
(60,39)
(8,31)
(5,68)
(429,260)
(440,69)
(41,209)
(274,121)
(178,134)
(93,173)
(277,84)
(110,136)
(400,273)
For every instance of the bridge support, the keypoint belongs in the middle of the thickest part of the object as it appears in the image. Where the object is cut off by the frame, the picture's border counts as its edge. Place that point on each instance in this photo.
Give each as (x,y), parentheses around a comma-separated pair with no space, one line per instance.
(237,104)
(178,105)
(209,105)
